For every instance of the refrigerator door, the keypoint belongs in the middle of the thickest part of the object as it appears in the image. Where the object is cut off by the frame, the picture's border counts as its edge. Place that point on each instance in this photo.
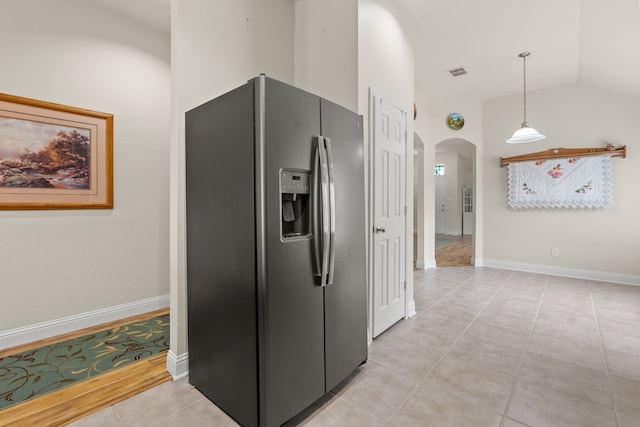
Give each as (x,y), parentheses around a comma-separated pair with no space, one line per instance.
(345,299)
(221,250)
(292,351)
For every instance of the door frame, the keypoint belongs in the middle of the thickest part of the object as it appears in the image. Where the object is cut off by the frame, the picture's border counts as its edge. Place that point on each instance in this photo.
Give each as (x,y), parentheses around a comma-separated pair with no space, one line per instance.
(408,310)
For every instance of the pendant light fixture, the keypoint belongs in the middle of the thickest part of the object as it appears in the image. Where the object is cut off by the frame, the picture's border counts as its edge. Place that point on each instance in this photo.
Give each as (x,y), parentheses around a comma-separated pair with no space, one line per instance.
(525,133)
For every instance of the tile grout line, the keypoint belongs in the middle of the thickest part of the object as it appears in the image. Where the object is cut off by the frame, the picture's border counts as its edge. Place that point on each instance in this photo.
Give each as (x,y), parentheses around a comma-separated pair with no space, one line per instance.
(458,287)
(524,355)
(604,357)
(115,411)
(413,390)
(449,293)
(420,382)
(464,331)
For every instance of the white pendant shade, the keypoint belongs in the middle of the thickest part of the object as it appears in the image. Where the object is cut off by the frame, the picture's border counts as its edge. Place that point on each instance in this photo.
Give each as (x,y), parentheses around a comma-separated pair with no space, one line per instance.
(525,134)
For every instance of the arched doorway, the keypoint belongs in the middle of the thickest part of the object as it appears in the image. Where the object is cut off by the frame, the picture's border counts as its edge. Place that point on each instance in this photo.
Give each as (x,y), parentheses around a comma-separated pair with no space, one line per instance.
(454,202)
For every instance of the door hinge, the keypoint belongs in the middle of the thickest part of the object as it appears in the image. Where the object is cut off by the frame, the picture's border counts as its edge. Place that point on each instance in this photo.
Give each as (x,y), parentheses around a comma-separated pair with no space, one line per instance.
(405,210)
(405,285)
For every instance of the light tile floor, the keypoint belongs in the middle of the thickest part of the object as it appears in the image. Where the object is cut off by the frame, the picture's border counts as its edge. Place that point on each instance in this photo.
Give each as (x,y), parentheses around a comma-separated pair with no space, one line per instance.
(487,347)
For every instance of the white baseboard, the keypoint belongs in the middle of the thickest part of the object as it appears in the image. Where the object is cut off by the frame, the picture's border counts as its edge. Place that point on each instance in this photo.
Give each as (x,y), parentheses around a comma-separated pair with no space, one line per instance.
(420,264)
(177,366)
(411,309)
(599,276)
(38,331)
(430,264)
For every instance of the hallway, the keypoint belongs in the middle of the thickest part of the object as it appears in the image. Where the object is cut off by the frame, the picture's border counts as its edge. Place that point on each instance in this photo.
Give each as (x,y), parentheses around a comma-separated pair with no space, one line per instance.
(457,253)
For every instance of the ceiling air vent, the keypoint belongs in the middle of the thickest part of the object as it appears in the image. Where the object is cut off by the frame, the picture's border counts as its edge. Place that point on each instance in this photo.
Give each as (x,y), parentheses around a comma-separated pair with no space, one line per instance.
(460,71)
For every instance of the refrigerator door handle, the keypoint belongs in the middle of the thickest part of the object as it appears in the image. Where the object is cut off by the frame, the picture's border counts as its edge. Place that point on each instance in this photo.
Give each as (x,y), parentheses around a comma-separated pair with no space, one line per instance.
(324,211)
(332,212)
(326,233)
(315,208)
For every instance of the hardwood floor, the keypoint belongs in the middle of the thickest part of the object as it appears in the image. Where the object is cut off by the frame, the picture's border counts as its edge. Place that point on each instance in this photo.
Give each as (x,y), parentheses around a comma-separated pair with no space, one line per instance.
(81,399)
(455,254)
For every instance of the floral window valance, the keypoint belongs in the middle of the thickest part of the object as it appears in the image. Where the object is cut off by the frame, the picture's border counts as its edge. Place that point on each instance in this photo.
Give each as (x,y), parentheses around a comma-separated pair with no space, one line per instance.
(576,182)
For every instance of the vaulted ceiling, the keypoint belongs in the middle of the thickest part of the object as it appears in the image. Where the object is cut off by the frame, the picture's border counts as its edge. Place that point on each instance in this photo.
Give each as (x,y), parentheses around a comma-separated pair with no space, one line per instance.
(596,42)
(591,41)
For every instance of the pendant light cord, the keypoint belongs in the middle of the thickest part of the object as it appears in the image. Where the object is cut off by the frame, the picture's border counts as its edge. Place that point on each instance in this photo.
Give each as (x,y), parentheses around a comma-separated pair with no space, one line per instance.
(524,96)
(524,55)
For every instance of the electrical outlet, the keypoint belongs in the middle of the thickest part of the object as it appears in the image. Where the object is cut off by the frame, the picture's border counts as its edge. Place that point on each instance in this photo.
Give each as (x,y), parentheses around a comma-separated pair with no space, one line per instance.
(555,252)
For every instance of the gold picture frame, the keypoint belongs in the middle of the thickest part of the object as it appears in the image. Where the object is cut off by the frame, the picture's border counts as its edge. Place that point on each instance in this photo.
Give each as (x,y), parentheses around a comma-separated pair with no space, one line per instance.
(54,156)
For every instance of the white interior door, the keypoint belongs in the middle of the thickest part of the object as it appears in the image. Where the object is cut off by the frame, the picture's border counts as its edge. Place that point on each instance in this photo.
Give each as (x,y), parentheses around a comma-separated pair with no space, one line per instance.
(441,205)
(389,144)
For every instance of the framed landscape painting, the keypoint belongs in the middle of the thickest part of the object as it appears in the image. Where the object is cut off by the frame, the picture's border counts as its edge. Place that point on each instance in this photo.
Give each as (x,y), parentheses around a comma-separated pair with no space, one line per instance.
(54,156)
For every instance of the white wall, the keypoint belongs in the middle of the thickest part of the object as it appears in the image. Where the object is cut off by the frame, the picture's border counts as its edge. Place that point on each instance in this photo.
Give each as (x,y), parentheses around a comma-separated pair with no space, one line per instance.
(62,263)
(326,49)
(386,65)
(437,132)
(216,46)
(439,110)
(431,125)
(598,243)
(426,238)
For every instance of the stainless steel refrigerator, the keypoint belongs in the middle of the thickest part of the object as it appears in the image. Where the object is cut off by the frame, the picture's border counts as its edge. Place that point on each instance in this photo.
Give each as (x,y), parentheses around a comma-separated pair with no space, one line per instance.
(275,249)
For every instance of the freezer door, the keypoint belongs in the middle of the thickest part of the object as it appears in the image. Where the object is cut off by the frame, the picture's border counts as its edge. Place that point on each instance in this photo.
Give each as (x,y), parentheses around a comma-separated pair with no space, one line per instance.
(345,299)
(292,351)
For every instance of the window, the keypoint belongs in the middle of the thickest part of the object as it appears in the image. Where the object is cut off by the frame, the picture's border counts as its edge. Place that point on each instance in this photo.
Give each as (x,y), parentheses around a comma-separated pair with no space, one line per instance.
(467,200)
(440,170)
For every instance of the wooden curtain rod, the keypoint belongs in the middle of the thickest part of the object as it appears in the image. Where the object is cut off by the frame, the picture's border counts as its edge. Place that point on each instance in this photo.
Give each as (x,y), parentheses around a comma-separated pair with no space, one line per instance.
(557,153)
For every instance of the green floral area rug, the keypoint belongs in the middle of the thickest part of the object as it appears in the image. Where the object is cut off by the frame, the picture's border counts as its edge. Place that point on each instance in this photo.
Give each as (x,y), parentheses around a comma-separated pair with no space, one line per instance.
(39,371)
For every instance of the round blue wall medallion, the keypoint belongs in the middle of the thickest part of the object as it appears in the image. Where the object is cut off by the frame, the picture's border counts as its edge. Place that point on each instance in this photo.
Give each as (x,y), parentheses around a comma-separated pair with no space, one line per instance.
(455,121)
